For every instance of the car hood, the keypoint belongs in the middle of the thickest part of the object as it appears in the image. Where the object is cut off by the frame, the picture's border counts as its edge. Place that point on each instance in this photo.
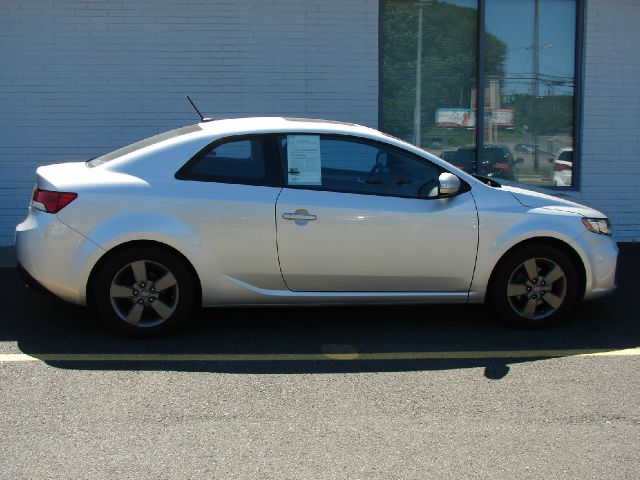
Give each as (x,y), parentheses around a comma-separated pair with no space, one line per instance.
(535,199)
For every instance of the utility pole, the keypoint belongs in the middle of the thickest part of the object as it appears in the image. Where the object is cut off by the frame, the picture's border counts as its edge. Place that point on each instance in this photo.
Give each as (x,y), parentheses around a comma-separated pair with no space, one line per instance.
(535,87)
(417,118)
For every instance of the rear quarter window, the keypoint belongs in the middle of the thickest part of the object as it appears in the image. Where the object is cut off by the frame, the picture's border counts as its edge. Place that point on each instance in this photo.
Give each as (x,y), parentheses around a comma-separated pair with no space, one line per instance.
(242,159)
(249,160)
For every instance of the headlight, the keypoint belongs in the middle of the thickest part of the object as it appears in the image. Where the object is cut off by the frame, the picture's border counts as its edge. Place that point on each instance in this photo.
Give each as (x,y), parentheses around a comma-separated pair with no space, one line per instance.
(597,225)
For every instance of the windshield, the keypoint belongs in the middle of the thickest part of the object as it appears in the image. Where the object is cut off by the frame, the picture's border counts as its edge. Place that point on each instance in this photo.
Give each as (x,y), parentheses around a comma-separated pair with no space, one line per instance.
(142,144)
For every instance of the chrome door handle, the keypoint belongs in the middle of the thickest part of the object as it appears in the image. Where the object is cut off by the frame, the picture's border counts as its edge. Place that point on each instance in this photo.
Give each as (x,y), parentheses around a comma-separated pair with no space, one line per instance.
(300,216)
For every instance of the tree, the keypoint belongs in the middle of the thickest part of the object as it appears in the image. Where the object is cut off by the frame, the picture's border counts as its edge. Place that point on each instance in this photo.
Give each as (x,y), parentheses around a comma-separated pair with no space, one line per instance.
(449,61)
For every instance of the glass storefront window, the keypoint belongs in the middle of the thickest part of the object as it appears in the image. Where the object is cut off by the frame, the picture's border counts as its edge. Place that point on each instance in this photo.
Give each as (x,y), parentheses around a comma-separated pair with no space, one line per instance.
(530,103)
(430,60)
(428,73)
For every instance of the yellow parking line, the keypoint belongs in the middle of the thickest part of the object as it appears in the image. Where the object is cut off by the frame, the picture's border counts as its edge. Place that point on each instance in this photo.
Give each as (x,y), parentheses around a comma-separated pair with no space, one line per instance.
(310,357)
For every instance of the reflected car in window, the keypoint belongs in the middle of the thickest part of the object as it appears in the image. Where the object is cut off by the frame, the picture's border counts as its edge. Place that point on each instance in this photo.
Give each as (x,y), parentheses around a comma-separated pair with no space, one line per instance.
(497,161)
(524,148)
(285,211)
(563,167)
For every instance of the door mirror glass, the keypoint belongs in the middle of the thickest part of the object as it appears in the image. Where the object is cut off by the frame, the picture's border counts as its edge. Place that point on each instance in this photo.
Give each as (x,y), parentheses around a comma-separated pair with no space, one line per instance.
(449,184)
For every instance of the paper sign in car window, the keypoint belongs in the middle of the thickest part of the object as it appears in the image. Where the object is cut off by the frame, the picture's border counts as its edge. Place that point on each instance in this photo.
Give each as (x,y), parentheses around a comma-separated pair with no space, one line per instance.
(304,166)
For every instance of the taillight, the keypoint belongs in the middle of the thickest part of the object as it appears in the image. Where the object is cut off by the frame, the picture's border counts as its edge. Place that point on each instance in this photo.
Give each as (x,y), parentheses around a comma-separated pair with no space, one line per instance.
(561,167)
(51,202)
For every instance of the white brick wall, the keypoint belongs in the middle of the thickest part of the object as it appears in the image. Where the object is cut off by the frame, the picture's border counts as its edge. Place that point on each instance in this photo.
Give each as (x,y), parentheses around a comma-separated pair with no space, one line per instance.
(610,176)
(79,78)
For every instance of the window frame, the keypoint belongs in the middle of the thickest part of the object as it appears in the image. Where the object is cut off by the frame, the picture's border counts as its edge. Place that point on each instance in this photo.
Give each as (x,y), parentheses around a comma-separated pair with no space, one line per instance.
(464,186)
(270,152)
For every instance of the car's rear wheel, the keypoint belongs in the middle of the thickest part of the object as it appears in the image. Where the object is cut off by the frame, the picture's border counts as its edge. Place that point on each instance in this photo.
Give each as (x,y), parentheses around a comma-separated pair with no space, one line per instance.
(534,287)
(144,292)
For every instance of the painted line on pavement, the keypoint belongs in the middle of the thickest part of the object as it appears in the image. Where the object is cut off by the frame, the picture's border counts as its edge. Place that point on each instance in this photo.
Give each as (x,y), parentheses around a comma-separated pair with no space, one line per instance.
(310,357)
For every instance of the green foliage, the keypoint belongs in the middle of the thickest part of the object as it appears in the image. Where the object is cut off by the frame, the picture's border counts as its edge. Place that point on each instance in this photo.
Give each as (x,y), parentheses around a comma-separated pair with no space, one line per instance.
(449,64)
(554,111)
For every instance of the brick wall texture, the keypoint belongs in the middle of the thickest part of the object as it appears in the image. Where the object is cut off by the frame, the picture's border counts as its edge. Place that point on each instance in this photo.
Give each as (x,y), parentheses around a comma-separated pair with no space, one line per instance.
(610,169)
(80,78)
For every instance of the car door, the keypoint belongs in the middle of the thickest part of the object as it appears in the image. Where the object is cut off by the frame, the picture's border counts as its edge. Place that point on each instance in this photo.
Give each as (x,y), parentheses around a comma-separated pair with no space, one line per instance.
(227,196)
(361,216)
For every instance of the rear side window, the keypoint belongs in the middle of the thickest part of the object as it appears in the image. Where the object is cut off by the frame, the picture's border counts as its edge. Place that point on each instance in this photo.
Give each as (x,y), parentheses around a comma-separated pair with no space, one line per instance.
(244,160)
(241,159)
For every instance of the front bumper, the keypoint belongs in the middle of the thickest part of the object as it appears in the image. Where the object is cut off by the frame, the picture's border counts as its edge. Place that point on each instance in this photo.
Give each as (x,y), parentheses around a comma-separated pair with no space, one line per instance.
(600,257)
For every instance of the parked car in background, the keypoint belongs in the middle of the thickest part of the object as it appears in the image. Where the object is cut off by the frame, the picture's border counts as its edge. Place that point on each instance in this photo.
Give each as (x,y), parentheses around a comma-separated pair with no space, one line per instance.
(450,156)
(525,148)
(497,161)
(282,211)
(563,167)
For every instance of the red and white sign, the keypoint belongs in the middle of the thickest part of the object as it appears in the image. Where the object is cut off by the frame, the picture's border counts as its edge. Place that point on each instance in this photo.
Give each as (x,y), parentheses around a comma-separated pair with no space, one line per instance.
(463,117)
(455,117)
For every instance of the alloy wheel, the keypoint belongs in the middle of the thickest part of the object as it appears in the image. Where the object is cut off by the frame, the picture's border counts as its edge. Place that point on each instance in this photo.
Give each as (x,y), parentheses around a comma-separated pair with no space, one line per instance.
(144,293)
(537,288)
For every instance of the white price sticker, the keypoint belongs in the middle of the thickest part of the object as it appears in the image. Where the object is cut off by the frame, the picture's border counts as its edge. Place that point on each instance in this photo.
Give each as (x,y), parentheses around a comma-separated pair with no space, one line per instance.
(304,165)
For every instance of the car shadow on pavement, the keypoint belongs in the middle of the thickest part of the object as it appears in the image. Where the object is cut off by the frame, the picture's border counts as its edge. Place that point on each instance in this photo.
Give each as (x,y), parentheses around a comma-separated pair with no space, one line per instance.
(324,339)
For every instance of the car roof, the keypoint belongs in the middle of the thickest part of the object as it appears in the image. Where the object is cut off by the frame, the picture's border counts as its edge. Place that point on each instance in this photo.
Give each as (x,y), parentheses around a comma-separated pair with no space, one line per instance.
(257,125)
(248,125)
(211,130)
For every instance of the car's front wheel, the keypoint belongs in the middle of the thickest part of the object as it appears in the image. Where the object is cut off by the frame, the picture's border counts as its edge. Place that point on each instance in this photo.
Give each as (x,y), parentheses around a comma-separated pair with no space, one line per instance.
(144,292)
(535,286)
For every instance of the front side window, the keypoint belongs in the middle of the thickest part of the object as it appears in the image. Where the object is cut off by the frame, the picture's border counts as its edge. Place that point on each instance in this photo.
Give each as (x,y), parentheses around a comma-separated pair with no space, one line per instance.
(247,160)
(355,166)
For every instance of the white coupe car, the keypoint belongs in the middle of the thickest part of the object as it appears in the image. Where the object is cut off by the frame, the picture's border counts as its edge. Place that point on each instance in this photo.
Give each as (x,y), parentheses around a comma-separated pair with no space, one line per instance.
(289,211)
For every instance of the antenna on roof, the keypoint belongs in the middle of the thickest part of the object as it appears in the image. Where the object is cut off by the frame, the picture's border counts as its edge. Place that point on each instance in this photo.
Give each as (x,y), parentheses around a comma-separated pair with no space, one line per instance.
(202,117)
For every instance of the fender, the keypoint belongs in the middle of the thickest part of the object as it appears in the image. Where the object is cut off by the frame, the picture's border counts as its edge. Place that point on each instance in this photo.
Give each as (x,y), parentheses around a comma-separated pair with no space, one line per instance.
(147,225)
(505,226)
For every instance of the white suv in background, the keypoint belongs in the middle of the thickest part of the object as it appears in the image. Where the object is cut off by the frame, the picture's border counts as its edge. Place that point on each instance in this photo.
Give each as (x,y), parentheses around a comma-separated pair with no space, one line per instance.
(563,167)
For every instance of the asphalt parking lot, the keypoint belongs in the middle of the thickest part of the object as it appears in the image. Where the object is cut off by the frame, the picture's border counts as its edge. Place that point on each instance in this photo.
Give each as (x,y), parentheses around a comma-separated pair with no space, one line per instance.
(384,392)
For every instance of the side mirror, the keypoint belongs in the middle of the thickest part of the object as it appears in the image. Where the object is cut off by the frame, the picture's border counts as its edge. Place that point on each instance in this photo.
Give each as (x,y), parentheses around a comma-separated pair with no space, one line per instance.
(449,184)
(519,161)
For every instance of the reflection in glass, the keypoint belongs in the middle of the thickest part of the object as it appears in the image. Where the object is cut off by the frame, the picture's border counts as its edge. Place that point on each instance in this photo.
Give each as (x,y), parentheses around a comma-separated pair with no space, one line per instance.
(429,65)
(529,103)
(429,89)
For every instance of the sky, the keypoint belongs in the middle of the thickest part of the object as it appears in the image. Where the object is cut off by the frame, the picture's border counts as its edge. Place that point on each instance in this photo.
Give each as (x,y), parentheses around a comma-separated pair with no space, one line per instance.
(512,22)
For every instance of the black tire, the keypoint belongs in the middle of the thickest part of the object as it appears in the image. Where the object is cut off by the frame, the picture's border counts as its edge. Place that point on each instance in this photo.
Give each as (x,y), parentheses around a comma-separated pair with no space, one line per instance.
(545,299)
(129,302)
